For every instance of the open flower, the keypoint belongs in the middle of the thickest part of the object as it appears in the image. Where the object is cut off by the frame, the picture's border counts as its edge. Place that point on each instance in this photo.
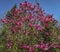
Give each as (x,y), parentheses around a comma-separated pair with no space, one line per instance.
(39,28)
(27,47)
(9,45)
(4,20)
(31,25)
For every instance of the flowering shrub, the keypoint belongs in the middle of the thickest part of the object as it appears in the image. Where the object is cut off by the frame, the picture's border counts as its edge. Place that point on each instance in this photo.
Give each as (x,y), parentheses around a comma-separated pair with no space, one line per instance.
(29,29)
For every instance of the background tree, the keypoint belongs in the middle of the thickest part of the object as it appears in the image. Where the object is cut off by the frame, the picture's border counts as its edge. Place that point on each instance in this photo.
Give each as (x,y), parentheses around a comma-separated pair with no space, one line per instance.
(29,29)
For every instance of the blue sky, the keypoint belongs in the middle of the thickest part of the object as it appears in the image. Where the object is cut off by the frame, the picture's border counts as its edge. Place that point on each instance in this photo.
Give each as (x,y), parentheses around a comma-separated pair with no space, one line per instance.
(50,6)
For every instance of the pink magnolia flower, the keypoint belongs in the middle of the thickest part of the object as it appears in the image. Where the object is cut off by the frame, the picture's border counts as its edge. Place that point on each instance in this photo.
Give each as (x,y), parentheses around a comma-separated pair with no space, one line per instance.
(56,45)
(32,7)
(39,28)
(21,19)
(9,45)
(27,4)
(4,20)
(16,11)
(47,25)
(43,46)
(46,19)
(27,18)
(14,29)
(31,49)
(27,47)
(31,25)
(46,47)
(22,5)
(12,21)
(19,23)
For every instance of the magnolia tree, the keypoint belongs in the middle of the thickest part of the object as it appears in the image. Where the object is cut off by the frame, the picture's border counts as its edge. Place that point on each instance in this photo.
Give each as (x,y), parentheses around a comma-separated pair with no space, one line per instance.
(29,29)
